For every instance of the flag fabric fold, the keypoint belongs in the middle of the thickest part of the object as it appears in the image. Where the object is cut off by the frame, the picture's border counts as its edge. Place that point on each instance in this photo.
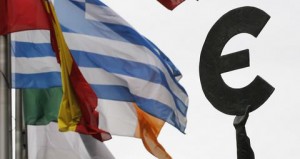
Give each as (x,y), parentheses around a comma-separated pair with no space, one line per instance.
(148,129)
(125,70)
(16,15)
(78,107)
(118,62)
(120,118)
(170,4)
(46,142)
(41,106)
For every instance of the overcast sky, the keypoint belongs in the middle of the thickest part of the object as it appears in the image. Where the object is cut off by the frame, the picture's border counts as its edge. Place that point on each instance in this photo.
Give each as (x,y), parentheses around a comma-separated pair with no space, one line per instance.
(274,55)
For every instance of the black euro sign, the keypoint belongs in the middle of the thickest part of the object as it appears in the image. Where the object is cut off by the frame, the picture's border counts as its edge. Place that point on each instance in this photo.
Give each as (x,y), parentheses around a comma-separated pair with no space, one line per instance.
(229,100)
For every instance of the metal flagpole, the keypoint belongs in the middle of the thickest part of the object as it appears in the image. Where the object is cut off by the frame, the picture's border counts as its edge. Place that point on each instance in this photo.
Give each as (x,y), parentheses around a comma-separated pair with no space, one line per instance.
(20,133)
(5,100)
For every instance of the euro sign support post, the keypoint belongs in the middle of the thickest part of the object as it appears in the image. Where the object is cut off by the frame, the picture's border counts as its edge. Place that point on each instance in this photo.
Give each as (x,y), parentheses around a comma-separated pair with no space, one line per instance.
(238,102)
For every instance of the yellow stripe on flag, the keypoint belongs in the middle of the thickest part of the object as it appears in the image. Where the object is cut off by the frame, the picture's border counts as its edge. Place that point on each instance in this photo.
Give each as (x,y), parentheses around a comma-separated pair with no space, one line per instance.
(77,110)
(69,112)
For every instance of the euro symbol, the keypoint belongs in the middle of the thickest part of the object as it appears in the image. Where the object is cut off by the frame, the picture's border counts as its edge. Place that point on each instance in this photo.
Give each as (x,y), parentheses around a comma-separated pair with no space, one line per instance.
(228,100)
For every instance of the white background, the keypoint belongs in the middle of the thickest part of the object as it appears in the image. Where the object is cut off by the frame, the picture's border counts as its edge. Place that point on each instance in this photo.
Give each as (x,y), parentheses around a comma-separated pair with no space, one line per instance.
(275,55)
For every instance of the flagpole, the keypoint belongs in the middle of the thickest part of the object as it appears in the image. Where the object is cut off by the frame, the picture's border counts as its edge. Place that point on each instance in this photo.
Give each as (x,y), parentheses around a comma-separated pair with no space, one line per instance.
(5,100)
(20,133)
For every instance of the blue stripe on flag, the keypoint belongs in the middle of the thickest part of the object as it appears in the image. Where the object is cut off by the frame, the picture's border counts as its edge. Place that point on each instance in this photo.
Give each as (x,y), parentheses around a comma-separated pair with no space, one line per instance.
(105,30)
(112,92)
(92,60)
(128,68)
(159,110)
(25,49)
(151,106)
(81,25)
(38,80)
(119,66)
(65,10)
(163,57)
(115,65)
(84,59)
(96,2)
(79,4)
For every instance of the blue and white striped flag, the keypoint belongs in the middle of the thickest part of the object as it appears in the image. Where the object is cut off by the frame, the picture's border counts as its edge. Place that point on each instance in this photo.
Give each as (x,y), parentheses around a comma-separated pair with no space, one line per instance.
(119,63)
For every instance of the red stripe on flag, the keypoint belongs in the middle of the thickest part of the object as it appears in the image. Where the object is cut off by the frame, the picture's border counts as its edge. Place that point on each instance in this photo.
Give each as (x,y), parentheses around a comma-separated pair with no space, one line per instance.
(85,96)
(87,100)
(170,4)
(18,15)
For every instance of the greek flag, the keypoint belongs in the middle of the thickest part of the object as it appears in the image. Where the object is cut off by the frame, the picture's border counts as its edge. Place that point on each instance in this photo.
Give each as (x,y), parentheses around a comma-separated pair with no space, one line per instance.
(118,62)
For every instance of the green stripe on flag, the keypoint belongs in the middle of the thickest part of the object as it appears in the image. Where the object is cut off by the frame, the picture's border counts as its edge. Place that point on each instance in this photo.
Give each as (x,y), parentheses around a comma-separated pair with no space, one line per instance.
(41,106)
